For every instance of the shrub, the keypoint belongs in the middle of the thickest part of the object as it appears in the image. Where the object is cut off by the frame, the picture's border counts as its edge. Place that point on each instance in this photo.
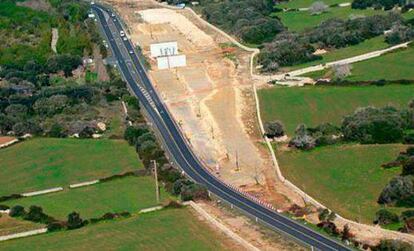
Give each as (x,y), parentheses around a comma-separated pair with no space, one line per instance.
(392,245)
(385,217)
(329,227)
(55,226)
(407,214)
(408,166)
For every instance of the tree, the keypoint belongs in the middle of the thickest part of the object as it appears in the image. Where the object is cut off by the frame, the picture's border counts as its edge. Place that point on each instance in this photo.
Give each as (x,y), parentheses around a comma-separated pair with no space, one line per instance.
(399,34)
(399,189)
(302,139)
(318,7)
(408,166)
(16,111)
(274,129)
(74,221)
(385,217)
(323,215)
(57,131)
(86,132)
(341,71)
(371,125)
(17,211)
(346,233)
(36,214)
(22,128)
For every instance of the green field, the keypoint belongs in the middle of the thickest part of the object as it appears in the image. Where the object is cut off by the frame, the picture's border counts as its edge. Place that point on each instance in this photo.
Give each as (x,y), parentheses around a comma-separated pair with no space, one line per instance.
(42,163)
(300,20)
(128,194)
(317,104)
(376,43)
(391,66)
(295,4)
(173,229)
(346,178)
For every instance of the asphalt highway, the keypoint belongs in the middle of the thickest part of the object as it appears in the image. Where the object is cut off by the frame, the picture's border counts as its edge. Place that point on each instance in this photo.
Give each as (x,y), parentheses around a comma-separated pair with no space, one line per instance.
(137,79)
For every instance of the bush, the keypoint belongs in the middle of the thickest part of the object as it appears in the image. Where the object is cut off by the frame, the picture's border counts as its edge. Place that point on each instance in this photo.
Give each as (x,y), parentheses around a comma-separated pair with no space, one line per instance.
(17,211)
(4,207)
(406,214)
(392,245)
(36,214)
(385,217)
(274,129)
(75,221)
(55,226)
(10,197)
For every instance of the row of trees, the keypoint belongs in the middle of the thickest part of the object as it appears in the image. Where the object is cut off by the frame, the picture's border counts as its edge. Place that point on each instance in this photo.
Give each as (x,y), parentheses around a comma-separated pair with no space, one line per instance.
(289,48)
(249,20)
(148,149)
(400,190)
(368,125)
(378,4)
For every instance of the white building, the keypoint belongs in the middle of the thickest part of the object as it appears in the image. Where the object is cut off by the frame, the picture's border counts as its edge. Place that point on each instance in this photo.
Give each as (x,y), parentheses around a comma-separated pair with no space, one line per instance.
(167,62)
(164,49)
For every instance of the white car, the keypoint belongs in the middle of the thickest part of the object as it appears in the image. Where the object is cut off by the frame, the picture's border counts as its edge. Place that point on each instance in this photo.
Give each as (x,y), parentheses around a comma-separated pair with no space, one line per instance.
(125,38)
(131,52)
(112,14)
(122,33)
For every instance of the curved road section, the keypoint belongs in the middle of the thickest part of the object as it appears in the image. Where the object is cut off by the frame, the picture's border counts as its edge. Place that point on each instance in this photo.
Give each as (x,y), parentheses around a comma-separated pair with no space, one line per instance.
(136,77)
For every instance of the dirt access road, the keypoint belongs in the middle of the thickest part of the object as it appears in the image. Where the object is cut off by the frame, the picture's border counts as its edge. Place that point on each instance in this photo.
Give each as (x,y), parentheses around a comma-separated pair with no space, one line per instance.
(211,98)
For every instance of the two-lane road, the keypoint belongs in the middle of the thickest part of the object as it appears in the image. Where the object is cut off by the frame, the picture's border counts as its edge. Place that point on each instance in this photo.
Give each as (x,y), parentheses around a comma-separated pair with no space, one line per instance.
(138,81)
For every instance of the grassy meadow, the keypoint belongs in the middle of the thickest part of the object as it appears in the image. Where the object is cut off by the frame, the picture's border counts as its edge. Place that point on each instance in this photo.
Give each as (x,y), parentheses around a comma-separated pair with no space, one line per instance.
(314,105)
(373,44)
(395,65)
(301,20)
(42,163)
(391,66)
(346,178)
(172,229)
(127,194)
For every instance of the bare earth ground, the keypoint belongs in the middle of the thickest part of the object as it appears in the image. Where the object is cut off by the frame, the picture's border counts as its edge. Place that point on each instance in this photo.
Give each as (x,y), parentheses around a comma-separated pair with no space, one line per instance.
(212,100)
(259,236)
(6,139)
(9,225)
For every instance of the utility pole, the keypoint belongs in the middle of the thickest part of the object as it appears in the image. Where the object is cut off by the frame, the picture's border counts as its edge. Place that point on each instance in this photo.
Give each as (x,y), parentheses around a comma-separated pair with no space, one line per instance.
(237,162)
(157,191)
